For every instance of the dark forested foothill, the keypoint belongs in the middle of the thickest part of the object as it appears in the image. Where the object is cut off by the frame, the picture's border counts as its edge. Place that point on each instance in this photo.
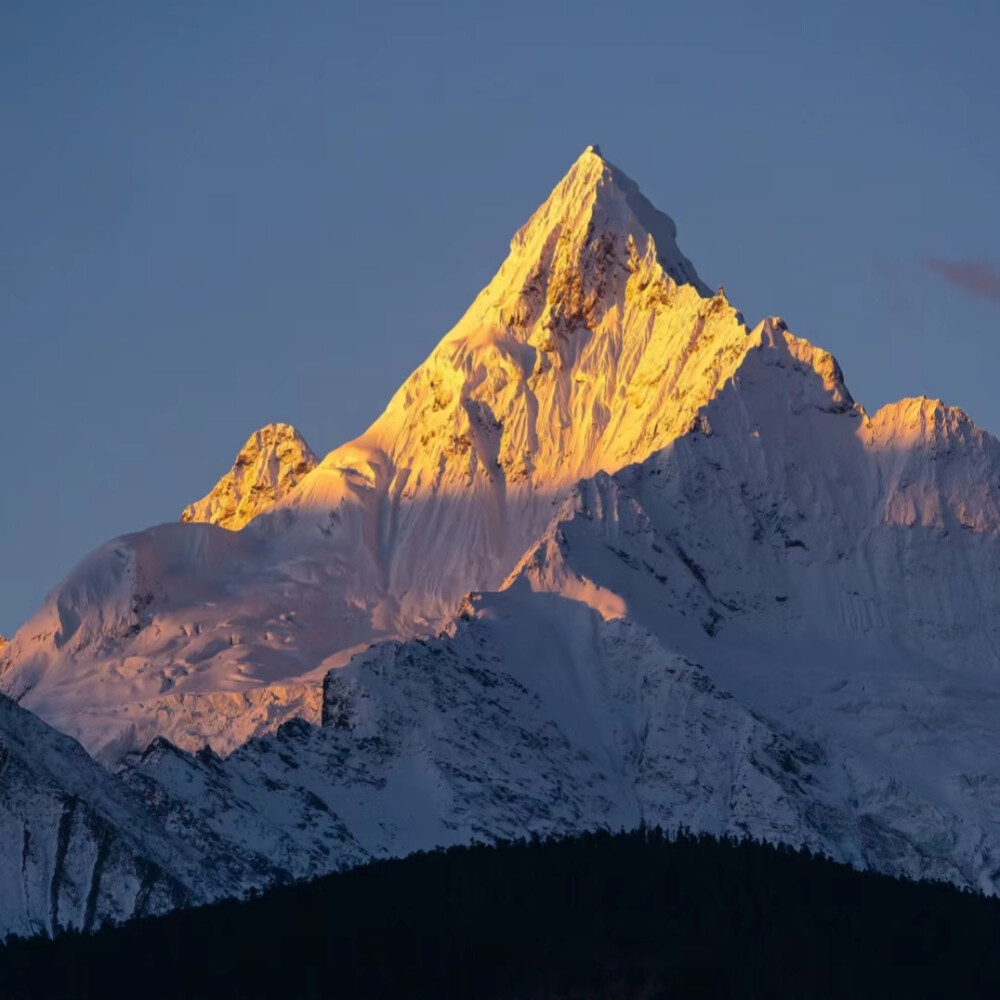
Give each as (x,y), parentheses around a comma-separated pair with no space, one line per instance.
(612,916)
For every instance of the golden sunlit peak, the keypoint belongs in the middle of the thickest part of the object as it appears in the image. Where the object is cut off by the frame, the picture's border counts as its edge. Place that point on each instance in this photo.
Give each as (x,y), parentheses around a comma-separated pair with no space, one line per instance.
(595,149)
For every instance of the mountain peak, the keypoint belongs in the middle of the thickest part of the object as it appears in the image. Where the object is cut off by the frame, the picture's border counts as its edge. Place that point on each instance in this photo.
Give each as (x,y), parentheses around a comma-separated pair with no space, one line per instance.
(598,209)
(268,466)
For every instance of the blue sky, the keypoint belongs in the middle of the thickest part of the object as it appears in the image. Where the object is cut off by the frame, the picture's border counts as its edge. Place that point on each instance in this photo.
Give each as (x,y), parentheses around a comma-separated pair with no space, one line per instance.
(217,215)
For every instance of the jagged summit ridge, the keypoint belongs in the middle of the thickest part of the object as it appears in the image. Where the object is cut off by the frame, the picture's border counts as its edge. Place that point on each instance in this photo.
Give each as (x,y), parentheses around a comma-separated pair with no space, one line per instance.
(595,203)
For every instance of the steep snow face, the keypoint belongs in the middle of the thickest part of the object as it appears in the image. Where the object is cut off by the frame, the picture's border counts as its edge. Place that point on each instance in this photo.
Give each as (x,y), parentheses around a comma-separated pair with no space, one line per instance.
(267,468)
(785,485)
(181,629)
(532,714)
(594,345)
(837,574)
(938,469)
(735,634)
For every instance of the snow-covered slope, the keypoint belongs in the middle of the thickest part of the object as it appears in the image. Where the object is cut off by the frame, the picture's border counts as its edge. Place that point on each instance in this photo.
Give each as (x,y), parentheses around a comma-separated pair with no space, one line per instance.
(838,574)
(795,514)
(532,714)
(149,635)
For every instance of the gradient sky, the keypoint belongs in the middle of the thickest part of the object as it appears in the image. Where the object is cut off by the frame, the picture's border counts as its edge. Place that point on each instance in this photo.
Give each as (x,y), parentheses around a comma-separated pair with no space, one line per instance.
(218,215)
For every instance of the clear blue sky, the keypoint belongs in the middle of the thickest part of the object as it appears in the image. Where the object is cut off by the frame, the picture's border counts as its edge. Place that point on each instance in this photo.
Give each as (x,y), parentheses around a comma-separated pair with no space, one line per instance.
(217,215)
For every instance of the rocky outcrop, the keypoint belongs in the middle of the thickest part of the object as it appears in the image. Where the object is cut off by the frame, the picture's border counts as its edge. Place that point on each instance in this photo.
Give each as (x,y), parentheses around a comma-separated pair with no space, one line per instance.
(267,469)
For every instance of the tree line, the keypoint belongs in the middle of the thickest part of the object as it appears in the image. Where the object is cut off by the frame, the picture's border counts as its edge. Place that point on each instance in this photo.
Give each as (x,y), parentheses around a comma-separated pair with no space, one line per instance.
(635,915)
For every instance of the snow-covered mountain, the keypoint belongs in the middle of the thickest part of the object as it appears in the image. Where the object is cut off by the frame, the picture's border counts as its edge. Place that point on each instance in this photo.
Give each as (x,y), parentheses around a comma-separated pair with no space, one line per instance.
(709,589)
(595,345)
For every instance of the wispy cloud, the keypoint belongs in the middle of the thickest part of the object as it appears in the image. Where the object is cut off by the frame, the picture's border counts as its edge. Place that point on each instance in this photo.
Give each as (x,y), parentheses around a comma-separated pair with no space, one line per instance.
(970,276)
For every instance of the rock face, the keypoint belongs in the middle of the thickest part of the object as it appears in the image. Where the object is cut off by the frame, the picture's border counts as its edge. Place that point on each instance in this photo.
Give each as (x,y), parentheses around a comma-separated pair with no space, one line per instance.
(77,848)
(709,588)
(267,469)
